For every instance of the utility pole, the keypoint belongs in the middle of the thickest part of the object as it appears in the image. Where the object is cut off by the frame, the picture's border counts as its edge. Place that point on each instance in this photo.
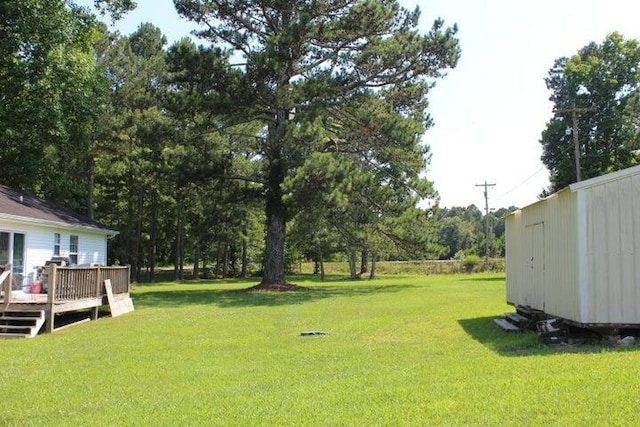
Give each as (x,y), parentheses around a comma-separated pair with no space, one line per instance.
(576,141)
(486,220)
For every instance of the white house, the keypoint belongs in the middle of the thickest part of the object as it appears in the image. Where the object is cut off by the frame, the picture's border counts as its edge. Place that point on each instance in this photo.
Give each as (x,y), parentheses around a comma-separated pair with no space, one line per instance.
(576,254)
(33,231)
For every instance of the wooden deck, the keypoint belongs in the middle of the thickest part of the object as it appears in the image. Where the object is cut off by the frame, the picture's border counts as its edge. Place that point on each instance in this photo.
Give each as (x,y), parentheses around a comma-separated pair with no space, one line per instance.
(69,289)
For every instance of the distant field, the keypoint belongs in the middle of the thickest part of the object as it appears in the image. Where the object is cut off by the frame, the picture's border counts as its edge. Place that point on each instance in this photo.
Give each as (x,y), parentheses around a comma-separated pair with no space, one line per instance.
(340,269)
(400,350)
(402,267)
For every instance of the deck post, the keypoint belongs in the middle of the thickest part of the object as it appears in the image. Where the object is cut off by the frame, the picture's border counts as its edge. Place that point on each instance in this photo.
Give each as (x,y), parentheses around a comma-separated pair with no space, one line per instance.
(128,279)
(8,281)
(51,296)
(95,310)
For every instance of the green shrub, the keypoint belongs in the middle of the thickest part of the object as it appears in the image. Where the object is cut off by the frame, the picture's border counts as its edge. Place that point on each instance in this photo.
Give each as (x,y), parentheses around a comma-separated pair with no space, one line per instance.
(470,262)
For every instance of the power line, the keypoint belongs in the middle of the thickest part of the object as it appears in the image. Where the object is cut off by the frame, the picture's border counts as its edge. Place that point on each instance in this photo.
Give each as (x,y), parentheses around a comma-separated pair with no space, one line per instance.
(512,189)
(562,152)
(576,146)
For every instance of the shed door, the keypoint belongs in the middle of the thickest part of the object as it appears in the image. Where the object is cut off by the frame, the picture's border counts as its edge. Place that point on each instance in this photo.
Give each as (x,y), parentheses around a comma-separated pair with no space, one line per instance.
(535,259)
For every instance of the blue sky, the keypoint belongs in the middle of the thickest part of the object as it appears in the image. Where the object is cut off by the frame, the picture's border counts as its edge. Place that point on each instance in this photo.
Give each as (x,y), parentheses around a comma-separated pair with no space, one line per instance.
(490,110)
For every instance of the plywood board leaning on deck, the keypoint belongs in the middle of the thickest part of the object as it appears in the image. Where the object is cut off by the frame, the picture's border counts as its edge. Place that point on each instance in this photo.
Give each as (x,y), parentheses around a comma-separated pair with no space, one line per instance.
(117,306)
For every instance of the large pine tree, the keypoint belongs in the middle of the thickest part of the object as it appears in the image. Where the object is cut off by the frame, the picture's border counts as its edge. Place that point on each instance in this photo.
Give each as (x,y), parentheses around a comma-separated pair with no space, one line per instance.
(301,62)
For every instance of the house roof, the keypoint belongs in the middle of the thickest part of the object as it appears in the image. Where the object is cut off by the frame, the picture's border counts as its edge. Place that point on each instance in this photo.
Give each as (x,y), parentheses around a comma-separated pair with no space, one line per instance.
(19,206)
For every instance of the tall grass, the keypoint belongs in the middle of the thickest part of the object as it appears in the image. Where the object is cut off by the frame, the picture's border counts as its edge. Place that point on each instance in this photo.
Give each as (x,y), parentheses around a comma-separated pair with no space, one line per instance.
(402,350)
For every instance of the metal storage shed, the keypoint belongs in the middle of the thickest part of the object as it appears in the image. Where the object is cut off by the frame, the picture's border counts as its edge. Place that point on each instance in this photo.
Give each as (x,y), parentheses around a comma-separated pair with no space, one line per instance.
(576,254)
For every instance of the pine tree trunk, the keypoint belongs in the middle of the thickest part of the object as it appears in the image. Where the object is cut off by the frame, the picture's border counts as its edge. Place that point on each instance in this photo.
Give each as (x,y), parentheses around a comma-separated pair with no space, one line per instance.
(372,273)
(179,242)
(352,266)
(245,240)
(153,256)
(196,261)
(225,261)
(275,210)
(243,271)
(319,267)
(138,239)
(218,269)
(273,272)
(91,182)
(364,260)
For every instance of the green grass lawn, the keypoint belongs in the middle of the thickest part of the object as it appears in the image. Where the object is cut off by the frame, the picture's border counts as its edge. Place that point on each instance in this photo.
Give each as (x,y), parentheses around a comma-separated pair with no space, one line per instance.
(400,350)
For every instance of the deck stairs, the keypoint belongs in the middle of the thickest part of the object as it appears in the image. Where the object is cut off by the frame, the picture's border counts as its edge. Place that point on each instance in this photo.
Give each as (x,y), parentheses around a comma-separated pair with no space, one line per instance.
(20,324)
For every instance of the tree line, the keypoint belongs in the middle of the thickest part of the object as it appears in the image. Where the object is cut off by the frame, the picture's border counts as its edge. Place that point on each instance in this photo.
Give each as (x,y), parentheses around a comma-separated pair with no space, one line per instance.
(596,98)
(295,134)
(300,121)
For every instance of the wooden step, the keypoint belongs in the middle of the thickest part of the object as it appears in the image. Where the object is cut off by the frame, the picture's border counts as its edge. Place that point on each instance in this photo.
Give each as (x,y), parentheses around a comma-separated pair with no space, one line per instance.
(20,332)
(21,313)
(516,317)
(506,325)
(519,320)
(7,319)
(9,326)
(4,335)
(17,324)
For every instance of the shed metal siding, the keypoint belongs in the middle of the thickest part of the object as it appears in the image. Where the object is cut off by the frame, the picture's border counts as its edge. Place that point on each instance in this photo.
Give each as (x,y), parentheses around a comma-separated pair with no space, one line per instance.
(513,247)
(555,290)
(591,251)
(561,274)
(613,230)
(525,272)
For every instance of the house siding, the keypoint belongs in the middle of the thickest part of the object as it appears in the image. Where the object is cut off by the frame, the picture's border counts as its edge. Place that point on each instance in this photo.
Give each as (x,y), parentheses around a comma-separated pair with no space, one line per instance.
(39,242)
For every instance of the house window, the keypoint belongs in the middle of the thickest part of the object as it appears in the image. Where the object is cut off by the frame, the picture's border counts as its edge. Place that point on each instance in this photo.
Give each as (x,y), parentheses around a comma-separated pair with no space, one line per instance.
(4,249)
(56,244)
(73,249)
(12,250)
(17,260)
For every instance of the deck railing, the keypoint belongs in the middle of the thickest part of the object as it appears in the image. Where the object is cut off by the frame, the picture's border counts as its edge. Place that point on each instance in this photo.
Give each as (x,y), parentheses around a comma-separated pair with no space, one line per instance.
(73,283)
(65,284)
(69,289)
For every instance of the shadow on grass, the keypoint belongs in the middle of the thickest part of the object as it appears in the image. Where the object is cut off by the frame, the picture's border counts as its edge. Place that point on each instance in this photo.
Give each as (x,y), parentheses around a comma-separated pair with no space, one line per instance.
(307,278)
(518,344)
(242,298)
